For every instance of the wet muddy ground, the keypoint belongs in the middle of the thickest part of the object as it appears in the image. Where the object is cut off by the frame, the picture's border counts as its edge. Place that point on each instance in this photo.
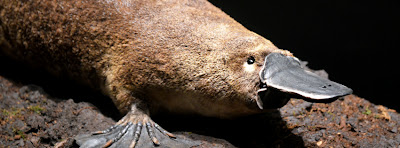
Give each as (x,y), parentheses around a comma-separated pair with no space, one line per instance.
(38,112)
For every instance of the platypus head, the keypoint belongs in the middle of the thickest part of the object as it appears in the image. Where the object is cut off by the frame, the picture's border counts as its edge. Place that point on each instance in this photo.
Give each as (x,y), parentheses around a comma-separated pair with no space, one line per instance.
(250,75)
(264,76)
(268,77)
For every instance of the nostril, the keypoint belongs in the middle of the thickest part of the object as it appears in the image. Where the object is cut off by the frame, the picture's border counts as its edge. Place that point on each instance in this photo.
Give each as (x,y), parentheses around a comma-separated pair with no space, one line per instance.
(329,85)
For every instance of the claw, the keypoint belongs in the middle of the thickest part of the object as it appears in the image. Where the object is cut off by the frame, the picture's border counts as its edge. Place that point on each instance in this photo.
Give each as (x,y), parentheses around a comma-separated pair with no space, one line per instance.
(164,131)
(150,127)
(120,134)
(108,144)
(136,136)
(105,131)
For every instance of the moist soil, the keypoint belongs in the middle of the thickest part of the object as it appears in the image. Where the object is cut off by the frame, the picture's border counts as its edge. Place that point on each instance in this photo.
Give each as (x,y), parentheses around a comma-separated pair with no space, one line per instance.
(40,111)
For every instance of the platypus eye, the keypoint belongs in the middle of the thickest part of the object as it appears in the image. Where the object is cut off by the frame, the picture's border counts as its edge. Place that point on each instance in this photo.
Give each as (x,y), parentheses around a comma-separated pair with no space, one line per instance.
(251,60)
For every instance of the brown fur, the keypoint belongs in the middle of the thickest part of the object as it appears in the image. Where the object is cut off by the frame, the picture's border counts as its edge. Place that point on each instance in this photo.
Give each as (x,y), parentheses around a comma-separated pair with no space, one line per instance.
(178,55)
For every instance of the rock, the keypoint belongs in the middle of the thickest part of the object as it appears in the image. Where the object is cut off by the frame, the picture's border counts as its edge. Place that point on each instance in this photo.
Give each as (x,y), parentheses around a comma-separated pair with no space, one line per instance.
(20,143)
(35,141)
(35,121)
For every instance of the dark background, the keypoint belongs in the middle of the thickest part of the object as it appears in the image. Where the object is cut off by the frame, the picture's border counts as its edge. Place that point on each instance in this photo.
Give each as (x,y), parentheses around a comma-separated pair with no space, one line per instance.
(355,42)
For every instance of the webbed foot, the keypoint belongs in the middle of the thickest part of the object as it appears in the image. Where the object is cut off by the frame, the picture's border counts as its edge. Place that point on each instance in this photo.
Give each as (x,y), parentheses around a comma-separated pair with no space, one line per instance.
(136,129)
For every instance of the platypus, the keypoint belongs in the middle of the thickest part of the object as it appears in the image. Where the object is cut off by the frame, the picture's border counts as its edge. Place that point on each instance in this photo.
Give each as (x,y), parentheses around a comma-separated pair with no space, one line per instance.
(156,56)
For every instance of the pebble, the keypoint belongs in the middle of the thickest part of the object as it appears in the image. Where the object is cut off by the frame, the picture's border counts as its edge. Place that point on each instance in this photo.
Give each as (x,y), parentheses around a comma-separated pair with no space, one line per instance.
(35,140)
(21,142)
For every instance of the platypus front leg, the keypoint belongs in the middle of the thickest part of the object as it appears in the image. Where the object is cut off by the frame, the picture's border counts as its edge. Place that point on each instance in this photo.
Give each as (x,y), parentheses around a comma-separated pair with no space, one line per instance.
(135,129)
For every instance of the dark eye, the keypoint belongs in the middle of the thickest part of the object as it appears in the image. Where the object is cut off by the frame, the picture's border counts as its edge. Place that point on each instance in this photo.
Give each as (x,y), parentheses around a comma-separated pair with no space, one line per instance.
(251,60)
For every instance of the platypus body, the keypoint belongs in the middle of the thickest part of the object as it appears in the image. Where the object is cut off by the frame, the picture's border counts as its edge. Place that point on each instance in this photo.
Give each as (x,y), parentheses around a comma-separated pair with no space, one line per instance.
(176,56)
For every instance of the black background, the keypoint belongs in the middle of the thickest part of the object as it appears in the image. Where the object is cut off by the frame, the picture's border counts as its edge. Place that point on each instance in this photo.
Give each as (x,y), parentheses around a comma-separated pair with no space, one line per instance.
(356,42)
